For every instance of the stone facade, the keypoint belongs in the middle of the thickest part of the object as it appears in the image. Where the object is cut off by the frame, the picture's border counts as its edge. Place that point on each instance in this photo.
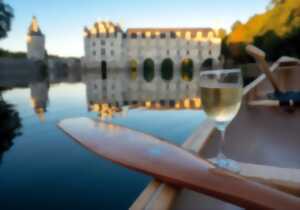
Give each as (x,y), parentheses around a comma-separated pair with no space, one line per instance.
(110,48)
(35,42)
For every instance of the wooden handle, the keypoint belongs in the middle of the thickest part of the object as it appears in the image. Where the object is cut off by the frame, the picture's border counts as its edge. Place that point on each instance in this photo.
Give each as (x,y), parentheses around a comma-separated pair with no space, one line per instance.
(260,58)
(267,103)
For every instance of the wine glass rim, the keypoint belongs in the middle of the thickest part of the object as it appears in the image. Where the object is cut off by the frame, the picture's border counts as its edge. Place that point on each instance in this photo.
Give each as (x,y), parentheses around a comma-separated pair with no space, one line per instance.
(220,71)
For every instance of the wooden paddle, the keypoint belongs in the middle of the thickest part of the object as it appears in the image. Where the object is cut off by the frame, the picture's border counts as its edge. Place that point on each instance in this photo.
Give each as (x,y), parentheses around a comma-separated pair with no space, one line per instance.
(260,58)
(170,163)
(271,103)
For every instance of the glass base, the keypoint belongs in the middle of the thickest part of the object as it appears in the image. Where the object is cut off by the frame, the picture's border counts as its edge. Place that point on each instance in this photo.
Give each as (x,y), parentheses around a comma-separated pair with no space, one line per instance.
(227,164)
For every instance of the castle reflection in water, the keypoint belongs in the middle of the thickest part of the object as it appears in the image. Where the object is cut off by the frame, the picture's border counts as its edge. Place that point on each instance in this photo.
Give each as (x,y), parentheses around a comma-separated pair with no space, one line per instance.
(110,97)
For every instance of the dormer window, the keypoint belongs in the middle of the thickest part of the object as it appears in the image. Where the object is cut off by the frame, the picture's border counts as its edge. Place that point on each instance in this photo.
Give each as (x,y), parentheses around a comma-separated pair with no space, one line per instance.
(163,35)
(210,34)
(173,35)
(148,34)
(133,35)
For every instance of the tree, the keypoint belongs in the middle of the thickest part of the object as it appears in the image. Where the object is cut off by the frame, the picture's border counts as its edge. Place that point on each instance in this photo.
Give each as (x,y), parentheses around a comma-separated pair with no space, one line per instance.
(276,31)
(6,15)
(235,25)
(270,42)
(291,43)
(10,125)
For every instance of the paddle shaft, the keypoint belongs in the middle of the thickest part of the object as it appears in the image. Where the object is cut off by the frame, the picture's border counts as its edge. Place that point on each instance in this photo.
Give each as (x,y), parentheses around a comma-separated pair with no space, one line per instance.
(260,58)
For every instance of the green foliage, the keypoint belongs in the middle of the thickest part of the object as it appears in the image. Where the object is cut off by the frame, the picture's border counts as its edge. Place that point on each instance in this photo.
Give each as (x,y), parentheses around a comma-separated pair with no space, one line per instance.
(10,125)
(149,70)
(167,69)
(8,54)
(270,42)
(276,31)
(6,15)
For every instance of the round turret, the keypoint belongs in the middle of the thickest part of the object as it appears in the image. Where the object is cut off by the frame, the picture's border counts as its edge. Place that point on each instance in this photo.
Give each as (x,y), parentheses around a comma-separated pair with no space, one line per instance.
(35,41)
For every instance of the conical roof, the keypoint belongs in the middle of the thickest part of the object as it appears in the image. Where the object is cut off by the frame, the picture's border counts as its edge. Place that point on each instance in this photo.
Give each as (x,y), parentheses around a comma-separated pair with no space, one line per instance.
(34,29)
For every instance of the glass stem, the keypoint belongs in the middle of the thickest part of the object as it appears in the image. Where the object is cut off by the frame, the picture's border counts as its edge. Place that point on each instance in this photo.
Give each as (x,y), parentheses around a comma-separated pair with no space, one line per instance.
(222,144)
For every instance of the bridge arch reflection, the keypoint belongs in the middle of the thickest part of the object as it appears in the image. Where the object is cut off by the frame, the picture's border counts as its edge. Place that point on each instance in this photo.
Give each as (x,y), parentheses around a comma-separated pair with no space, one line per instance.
(133,69)
(186,70)
(167,69)
(148,70)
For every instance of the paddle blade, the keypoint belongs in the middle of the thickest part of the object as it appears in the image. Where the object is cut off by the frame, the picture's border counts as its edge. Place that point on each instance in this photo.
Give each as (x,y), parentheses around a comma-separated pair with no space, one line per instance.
(172,164)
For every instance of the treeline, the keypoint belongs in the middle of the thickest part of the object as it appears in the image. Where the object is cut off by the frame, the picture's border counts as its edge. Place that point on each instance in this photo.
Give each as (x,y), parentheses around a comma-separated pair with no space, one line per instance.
(8,54)
(277,32)
(6,15)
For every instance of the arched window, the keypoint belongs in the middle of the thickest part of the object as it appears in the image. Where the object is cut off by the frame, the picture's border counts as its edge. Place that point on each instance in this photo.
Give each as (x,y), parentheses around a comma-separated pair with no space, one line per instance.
(187,67)
(103,70)
(148,70)
(133,69)
(207,64)
(167,69)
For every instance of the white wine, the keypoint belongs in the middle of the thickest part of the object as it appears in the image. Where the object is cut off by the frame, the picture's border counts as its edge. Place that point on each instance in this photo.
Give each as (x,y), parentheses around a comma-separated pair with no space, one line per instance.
(221,102)
(221,95)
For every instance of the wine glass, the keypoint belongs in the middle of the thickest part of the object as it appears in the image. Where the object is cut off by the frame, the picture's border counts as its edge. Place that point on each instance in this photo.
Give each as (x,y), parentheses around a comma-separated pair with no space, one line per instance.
(221,95)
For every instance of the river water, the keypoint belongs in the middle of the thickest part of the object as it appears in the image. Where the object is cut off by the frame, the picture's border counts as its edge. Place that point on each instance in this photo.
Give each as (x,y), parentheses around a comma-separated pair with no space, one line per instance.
(42,168)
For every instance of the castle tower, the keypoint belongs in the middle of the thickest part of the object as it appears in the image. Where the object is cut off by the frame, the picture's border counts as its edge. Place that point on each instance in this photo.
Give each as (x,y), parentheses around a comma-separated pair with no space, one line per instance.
(39,92)
(35,41)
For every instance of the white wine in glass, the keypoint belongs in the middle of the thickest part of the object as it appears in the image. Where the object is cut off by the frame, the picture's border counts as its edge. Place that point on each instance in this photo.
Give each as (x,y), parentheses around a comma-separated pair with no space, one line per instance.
(221,95)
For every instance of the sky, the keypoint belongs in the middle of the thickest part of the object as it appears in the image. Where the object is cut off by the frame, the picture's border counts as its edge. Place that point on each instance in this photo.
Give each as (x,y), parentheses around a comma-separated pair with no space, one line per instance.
(62,21)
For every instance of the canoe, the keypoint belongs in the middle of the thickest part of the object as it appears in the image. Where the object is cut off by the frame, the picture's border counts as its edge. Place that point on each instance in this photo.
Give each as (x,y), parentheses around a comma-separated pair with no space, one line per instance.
(264,138)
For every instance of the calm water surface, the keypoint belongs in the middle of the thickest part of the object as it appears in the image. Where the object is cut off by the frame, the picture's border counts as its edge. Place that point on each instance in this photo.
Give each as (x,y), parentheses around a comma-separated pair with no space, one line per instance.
(42,168)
